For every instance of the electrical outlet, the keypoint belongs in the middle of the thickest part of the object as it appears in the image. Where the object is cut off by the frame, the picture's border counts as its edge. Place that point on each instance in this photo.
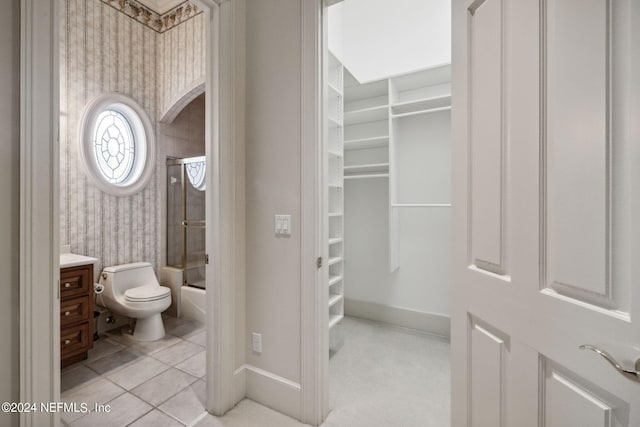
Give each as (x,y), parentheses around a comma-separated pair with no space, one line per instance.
(256,342)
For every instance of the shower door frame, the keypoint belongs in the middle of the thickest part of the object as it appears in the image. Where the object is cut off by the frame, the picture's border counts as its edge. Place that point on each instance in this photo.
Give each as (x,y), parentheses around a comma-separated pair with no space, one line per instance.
(184,222)
(39,205)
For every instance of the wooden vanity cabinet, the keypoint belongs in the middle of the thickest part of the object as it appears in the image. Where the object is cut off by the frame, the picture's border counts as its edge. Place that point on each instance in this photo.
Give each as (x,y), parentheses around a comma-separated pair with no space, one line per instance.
(76,313)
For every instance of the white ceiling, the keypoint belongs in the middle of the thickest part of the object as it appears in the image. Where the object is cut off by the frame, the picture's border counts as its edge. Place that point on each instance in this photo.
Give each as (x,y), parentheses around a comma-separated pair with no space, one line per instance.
(161,6)
(376,39)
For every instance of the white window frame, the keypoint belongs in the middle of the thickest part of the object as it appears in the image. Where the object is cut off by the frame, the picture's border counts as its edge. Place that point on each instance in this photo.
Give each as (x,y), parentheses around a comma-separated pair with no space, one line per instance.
(144,143)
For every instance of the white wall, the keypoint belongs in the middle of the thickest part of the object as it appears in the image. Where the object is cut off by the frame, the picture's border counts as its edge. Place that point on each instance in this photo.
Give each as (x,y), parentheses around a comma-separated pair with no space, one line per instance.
(273,186)
(10,209)
(380,38)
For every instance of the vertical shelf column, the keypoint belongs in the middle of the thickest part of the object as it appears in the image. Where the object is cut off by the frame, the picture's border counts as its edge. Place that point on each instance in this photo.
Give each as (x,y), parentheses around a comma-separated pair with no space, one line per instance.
(335,205)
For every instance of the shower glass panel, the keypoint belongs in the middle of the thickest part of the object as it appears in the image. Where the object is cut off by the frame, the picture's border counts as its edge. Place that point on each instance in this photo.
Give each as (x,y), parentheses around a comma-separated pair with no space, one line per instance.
(186,218)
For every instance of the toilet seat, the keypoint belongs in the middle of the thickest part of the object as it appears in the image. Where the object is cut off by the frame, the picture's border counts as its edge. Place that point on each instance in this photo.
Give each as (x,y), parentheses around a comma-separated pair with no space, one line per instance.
(146,293)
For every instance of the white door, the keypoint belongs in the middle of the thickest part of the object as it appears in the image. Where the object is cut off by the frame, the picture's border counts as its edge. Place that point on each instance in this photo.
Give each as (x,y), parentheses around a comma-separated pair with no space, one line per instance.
(546,122)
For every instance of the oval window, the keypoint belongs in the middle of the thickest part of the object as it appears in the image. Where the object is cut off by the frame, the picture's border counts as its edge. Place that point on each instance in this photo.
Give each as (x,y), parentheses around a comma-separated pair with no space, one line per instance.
(116,144)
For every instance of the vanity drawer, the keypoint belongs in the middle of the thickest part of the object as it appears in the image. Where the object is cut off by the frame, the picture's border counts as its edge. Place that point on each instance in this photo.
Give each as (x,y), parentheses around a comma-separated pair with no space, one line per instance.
(74,338)
(74,310)
(75,281)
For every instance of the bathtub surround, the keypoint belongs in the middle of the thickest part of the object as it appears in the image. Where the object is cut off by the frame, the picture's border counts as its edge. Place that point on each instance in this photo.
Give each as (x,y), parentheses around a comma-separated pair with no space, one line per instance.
(104,50)
(172,278)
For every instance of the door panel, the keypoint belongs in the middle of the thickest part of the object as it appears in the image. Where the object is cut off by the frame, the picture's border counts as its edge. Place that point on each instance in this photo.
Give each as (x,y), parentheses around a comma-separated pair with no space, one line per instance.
(569,400)
(486,165)
(577,106)
(584,61)
(546,100)
(487,351)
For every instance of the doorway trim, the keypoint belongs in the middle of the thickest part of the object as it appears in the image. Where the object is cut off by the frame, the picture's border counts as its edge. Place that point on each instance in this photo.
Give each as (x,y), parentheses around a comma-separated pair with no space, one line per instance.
(39,206)
(314,293)
(39,203)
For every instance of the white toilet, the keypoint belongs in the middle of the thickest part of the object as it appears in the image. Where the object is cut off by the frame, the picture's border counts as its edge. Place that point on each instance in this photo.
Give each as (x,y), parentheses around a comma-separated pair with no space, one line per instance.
(133,290)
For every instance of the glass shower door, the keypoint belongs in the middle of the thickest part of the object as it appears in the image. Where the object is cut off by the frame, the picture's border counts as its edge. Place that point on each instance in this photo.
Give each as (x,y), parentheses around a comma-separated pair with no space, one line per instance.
(194,222)
(189,222)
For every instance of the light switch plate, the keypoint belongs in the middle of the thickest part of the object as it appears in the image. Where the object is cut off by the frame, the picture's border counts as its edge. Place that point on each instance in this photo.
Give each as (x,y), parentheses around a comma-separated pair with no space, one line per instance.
(283,225)
(256,342)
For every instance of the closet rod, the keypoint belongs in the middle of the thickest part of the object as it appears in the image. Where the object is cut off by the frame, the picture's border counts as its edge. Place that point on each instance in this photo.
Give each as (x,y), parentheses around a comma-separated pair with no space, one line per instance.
(421,205)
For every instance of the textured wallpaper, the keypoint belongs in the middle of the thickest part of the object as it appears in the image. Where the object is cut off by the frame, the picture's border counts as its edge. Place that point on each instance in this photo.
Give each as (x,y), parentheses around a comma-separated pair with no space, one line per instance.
(104,50)
(181,61)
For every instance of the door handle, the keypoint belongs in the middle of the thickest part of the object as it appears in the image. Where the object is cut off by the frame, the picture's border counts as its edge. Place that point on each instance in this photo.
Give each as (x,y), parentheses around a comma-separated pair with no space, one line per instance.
(632,374)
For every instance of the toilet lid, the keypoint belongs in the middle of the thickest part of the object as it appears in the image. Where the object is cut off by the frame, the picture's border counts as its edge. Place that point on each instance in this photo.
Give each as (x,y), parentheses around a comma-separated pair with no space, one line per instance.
(146,293)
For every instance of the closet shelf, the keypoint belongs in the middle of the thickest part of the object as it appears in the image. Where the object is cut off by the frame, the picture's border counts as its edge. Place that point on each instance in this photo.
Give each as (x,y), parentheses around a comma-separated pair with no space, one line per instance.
(333,122)
(364,143)
(334,89)
(334,280)
(367,176)
(332,214)
(421,205)
(334,260)
(335,153)
(335,185)
(334,319)
(334,299)
(423,104)
(415,113)
(366,115)
(362,169)
(335,240)
(355,91)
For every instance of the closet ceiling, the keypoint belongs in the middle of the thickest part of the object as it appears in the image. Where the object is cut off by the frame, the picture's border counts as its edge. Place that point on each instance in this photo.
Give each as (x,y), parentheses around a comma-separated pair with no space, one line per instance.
(161,6)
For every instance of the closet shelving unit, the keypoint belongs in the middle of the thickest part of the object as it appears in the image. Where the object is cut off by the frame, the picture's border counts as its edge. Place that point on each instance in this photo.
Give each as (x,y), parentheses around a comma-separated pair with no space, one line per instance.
(335,213)
(421,93)
(366,129)
(385,133)
(415,99)
(374,112)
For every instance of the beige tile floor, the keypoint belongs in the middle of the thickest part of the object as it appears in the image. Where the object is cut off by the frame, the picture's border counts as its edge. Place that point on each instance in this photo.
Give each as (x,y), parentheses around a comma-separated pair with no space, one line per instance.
(381,376)
(158,383)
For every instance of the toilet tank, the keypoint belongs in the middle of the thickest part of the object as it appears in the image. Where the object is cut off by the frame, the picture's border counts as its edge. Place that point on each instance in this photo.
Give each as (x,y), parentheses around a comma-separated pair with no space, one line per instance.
(125,276)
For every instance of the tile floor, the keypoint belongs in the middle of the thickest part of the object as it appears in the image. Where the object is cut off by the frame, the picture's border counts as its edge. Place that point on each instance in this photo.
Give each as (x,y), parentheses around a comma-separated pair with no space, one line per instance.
(158,383)
(381,376)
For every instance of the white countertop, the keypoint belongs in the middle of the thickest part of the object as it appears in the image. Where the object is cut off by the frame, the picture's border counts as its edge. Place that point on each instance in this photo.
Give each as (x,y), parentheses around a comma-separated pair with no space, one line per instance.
(72,260)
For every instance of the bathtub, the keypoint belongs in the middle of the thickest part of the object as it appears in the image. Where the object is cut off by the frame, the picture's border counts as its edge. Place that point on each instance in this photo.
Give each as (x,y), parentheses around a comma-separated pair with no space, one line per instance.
(187,301)
(193,303)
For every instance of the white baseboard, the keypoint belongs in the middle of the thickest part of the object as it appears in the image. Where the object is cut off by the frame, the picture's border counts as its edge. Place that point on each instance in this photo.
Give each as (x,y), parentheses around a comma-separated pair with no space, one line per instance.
(270,390)
(436,324)
(240,384)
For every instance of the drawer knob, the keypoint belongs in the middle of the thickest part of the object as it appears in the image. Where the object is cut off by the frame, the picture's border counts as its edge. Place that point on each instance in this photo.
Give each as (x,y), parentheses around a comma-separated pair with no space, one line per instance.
(67,342)
(67,285)
(66,313)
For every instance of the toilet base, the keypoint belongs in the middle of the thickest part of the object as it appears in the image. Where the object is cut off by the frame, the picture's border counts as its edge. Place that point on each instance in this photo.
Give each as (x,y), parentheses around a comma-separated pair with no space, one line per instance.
(149,328)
